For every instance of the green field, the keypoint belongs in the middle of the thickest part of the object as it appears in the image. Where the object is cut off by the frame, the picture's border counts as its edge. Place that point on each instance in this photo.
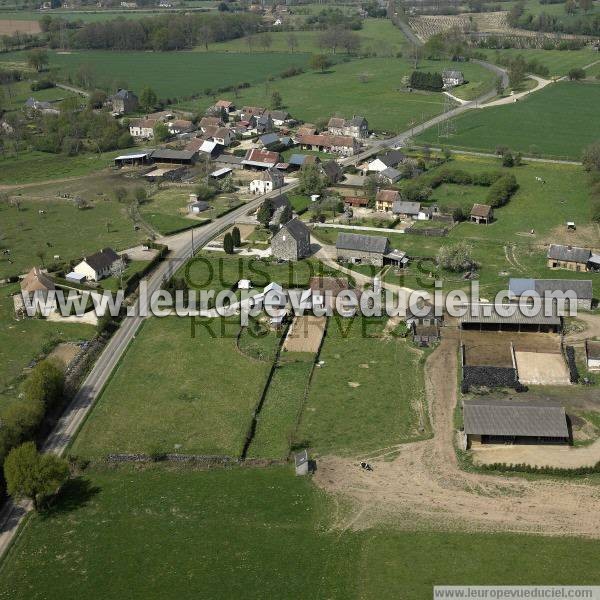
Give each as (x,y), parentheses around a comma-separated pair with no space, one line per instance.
(62,230)
(558,121)
(157,533)
(342,417)
(378,36)
(559,62)
(16,94)
(175,392)
(343,90)
(24,340)
(188,72)
(545,208)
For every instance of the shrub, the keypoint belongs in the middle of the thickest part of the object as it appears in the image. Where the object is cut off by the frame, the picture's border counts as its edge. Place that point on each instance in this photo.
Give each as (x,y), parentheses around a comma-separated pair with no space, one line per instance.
(501,191)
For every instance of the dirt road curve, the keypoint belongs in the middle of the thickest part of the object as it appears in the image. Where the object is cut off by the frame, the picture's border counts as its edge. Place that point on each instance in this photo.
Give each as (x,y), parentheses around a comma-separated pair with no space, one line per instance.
(425,485)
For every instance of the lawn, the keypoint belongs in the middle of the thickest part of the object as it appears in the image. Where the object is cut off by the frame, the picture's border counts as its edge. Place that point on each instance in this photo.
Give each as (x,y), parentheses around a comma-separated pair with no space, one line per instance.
(558,121)
(25,340)
(33,166)
(559,62)
(368,392)
(278,418)
(378,36)
(176,392)
(62,230)
(164,533)
(368,87)
(545,208)
(16,94)
(189,72)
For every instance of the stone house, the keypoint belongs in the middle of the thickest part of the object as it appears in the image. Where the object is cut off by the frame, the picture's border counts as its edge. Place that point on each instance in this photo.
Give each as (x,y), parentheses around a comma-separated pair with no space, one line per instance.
(384,200)
(482,213)
(569,257)
(361,249)
(267,181)
(142,128)
(336,144)
(357,127)
(292,241)
(123,102)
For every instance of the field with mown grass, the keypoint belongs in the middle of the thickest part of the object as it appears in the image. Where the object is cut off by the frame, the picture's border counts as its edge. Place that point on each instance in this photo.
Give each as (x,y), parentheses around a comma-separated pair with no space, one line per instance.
(179,389)
(559,62)
(367,395)
(24,340)
(188,72)
(505,248)
(368,87)
(62,230)
(558,122)
(157,533)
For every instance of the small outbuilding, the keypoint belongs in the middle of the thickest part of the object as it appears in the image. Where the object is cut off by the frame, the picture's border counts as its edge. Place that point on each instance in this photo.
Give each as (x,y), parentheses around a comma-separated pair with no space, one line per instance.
(592,353)
(482,213)
(301,462)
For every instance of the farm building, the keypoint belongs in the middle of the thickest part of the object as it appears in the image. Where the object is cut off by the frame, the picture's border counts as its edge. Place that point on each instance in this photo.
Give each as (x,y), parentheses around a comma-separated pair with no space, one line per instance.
(267,181)
(406,210)
(198,206)
(174,157)
(482,213)
(485,317)
(301,463)
(292,241)
(356,201)
(592,353)
(229,160)
(500,421)
(37,281)
(581,289)
(280,117)
(425,334)
(225,105)
(299,160)
(142,128)
(220,173)
(98,265)
(390,159)
(336,144)
(332,171)
(452,78)
(208,122)
(260,159)
(390,175)
(385,199)
(572,258)
(368,249)
(357,127)
(123,102)
(138,158)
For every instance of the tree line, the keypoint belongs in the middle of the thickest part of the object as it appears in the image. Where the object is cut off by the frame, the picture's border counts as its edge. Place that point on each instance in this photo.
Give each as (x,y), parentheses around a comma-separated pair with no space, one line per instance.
(586,24)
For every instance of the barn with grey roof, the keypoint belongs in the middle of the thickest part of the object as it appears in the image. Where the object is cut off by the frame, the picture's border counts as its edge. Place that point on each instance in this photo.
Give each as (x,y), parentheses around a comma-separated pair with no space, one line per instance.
(367,249)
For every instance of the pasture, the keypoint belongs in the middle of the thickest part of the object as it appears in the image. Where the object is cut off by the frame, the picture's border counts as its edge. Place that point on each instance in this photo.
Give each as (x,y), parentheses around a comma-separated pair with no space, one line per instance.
(180,388)
(368,87)
(34,238)
(189,72)
(16,94)
(367,395)
(182,532)
(558,122)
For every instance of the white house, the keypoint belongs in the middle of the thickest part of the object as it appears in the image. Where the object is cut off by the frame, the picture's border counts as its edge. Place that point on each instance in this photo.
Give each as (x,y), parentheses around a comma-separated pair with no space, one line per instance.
(142,128)
(453,78)
(388,160)
(267,181)
(97,266)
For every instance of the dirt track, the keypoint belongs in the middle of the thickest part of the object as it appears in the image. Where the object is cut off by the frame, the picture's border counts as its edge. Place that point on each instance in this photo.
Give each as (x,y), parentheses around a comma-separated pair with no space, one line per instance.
(425,485)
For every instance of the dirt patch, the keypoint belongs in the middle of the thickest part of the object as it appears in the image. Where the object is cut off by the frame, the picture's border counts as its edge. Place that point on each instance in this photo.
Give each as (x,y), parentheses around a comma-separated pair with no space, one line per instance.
(584,235)
(424,485)
(542,368)
(305,334)
(245,231)
(10,26)
(65,352)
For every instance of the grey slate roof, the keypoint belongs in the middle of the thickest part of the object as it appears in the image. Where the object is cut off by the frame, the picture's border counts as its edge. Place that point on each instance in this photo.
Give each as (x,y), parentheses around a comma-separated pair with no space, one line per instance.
(230,159)
(280,201)
(391,173)
(168,154)
(102,260)
(569,253)
(515,418)
(357,121)
(402,207)
(581,287)
(297,229)
(362,243)
(331,169)
(392,158)
(268,139)
(487,313)
(201,205)
(300,458)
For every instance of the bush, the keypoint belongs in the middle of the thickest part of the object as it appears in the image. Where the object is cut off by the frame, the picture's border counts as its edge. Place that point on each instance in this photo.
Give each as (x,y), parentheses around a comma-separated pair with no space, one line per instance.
(456,258)
(502,190)
(421,80)
(42,84)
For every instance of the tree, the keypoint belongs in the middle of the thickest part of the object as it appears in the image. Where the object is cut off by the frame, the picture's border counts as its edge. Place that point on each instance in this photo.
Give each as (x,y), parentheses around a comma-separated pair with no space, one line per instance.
(264,213)
(516,74)
(457,257)
(32,475)
(38,59)
(576,74)
(97,99)
(45,384)
(508,160)
(117,270)
(570,7)
(140,194)
(586,5)
(148,98)
(276,100)
(265,40)
(236,237)
(286,214)
(228,243)
(310,180)
(41,254)
(319,62)
(591,157)
(292,42)
(161,132)
(120,193)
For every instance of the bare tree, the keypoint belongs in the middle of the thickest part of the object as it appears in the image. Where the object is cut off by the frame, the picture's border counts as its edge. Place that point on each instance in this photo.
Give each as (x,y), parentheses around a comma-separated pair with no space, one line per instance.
(292,42)
(117,270)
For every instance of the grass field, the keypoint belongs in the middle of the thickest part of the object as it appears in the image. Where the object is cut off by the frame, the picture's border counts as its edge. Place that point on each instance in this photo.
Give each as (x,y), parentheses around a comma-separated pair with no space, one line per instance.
(314,95)
(367,394)
(175,392)
(559,62)
(27,233)
(378,36)
(558,121)
(545,208)
(189,72)
(34,167)
(16,94)
(277,420)
(163,533)
(24,340)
